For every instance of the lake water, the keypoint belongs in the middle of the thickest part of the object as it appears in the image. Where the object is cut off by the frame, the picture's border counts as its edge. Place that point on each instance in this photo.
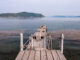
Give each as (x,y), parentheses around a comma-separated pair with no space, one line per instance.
(33,24)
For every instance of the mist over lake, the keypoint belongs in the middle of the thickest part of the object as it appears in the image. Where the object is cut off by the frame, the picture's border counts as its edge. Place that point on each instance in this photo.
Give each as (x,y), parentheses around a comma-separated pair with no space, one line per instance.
(33,24)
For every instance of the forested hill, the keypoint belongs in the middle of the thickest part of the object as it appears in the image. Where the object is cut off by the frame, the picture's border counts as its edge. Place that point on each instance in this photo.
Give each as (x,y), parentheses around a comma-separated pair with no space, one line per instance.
(21,15)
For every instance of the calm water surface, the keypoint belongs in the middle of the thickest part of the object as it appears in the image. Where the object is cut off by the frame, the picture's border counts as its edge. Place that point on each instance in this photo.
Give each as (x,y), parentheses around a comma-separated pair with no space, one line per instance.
(33,24)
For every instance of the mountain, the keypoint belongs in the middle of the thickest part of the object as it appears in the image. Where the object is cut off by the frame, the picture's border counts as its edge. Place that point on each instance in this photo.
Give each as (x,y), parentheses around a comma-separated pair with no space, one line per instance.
(21,15)
(58,16)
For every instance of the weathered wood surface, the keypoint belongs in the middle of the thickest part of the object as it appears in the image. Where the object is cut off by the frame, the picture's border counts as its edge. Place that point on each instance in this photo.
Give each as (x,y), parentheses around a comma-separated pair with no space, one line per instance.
(40,55)
(20,55)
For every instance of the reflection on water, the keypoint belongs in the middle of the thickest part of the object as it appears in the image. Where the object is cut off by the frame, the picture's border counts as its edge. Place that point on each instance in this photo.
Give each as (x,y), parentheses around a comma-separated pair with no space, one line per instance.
(33,24)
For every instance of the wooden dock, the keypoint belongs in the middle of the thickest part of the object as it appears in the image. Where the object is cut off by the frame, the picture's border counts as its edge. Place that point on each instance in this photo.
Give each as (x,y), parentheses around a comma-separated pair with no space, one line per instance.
(40,55)
(36,49)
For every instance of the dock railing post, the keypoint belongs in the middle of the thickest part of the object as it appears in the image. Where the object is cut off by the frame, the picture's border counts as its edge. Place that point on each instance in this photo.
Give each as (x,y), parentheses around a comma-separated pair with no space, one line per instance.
(32,43)
(45,42)
(62,42)
(51,43)
(21,41)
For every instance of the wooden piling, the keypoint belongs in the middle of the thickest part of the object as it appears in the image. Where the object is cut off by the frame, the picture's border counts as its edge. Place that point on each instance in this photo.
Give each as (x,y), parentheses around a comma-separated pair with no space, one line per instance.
(62,43)
(32,43)
(21,41)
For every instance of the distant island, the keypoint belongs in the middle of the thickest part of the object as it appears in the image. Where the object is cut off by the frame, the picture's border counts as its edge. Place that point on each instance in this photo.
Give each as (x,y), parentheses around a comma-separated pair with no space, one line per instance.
(66,16)
(21,15)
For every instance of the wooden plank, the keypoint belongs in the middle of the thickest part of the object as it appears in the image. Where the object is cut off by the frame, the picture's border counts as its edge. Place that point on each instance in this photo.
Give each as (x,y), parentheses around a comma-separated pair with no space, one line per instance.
(55,55)
(49,55)
(20,55)
(43,55)
(37,55)
(26,55)
(32,55)
(61,56)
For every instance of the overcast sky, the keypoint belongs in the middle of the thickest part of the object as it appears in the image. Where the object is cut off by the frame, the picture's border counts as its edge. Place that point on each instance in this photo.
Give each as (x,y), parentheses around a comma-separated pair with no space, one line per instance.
(46,7)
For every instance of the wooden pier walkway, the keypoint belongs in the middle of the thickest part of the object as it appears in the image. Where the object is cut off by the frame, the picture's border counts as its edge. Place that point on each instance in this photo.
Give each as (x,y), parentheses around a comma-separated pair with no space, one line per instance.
(40,55)
(36,49)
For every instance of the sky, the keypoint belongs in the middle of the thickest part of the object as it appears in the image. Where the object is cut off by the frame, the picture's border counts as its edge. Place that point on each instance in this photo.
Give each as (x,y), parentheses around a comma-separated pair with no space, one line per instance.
(46,7)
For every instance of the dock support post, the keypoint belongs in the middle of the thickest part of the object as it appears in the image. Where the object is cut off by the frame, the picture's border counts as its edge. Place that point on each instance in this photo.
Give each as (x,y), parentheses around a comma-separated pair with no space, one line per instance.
(32,43)
(62,42)
(21,41)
